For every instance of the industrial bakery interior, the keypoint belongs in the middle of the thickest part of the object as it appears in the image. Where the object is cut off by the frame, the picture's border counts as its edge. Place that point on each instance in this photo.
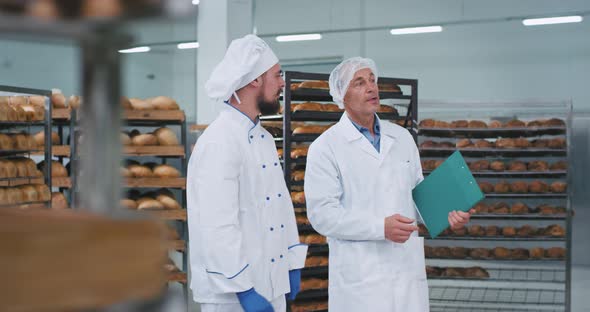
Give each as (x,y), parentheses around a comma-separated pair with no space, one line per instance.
(103,102)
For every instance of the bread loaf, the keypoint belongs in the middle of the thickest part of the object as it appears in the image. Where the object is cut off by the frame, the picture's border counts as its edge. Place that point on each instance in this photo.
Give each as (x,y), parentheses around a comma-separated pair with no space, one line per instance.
(39,138)
(128,203)
(140,171)
(58,100)
(74,101)
(33,113)
(166,171)
(166,136)
(37,100)
(29,193)
(14,195)
(147,139)
(163,103)
(6,142)
(298,197)
(147,203)
(43,192)
(307,106)
(314,84)
(299,152)
(139,104)
(167,199)
(57,169)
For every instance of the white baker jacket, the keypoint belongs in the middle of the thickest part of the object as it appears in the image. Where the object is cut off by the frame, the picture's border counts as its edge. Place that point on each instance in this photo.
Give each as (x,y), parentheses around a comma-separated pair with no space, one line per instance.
(242,229)
(350,188)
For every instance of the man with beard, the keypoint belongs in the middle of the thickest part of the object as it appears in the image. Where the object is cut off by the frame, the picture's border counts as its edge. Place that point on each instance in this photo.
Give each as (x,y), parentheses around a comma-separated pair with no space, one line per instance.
(244,245)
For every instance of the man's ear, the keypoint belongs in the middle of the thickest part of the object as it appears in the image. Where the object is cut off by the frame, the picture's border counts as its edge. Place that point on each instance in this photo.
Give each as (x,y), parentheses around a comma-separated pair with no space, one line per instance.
(257,82)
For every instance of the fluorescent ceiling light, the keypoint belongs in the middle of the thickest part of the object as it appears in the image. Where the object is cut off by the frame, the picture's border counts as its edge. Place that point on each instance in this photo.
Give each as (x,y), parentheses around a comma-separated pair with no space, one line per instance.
(188,45)
(135,50)
(552,20)
(416,30)
(196,2)
(302,37)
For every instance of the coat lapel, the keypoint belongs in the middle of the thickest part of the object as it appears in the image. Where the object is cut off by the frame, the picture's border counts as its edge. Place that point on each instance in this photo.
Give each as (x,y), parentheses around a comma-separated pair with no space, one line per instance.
(353,136)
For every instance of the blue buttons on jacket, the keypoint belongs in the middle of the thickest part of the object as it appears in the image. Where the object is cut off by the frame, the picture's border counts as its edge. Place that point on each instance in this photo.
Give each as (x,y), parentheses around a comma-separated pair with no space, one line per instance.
(263,166)
(272,229)
(268,198)
(262,136)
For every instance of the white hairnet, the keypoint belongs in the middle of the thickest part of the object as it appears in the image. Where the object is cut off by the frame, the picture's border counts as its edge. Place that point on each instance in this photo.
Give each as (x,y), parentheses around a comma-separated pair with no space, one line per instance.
(343,73)
(245,60)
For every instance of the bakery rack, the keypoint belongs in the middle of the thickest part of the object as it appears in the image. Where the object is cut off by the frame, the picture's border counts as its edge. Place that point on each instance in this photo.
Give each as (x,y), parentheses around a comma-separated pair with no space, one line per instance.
(27,126)
(404,101)
(513,285)
(177,219)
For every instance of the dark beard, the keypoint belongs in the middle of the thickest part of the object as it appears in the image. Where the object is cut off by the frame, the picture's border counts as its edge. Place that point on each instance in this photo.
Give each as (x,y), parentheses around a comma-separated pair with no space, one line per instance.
(268,108)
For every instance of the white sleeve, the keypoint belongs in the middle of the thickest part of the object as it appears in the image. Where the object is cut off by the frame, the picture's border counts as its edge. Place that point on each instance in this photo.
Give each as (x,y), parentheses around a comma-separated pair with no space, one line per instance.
(323,190)
(215,170)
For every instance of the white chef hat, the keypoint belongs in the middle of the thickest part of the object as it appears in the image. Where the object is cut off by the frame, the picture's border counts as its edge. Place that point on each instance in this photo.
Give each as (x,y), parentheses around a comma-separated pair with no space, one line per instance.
(343,73)
(245,60)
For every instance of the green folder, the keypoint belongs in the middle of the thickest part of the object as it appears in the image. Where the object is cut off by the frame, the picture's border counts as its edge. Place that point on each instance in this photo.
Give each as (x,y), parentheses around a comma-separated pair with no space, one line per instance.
(449,187)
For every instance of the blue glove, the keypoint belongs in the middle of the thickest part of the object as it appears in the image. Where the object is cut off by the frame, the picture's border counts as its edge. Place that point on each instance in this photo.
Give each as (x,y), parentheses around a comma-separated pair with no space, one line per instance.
(251,301)
(295,282)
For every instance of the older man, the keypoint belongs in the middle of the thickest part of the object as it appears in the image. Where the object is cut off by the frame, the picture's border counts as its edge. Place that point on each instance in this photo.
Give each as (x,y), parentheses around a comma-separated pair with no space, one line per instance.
(244,246)
(358,186)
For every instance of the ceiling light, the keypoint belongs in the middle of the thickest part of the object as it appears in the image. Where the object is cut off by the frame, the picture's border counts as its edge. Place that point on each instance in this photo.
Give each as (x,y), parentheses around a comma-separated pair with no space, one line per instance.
(552,20)
(196,2)
(188,45)
(135,50)
(302,37)
(416,30)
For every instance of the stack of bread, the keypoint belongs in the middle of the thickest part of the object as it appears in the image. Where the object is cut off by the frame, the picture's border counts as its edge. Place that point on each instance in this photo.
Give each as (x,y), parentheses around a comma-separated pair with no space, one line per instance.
(149,170)
(159,200)
(23,194)
(161,136)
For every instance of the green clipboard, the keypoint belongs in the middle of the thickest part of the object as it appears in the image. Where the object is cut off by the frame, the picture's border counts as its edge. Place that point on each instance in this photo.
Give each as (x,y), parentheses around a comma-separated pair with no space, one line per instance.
(449,187)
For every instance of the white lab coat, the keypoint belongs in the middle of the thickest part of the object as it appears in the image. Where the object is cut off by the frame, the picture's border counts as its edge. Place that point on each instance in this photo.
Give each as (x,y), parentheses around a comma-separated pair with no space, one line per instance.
(350,188)
(241,221)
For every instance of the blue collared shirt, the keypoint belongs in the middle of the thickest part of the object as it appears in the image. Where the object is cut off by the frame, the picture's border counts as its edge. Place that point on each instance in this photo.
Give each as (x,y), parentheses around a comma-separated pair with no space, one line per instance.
(374,140)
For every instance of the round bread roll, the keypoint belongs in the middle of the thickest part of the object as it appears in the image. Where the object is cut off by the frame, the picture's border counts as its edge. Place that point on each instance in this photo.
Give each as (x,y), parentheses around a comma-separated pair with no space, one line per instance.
(453,272)
(462,231)
(498,165)
(492,231)
(334,108)
(14,195)
(501,253)
(480,253)
(499,208)
(537,253)
(298,175)
(515,123)
(298,197)
(538,165)
(147,203)
(518,187)
(502,187)
(37,100)
(519,208)
(480,165)
(517,166)
(538,187)
(553,122)
(446,144)
(6,142)
(476,272)
(558,187)
(58,100)
(464,143)
(75,101)
(519,254)
(555,253)
(166,171)
(557,143)
(508,231)
(486,187)
(39,138)
(139,104)
(58,201)
(505,143)
(163,103)
(534,124)
(481,208)
(441,124)
(128,203)
(299,152)
(29,193)
(477,124)
(166,136)
(43,192)
(476,230)
(428,144)
(526,231)
(560,165)
(147,139)
(426,123)
(441,252)
(555,230)
(139,171)
(522,143)
(168,201)
(546,209)
(495,124)
(125,139)
(459,252)
(459,124)
(483,144)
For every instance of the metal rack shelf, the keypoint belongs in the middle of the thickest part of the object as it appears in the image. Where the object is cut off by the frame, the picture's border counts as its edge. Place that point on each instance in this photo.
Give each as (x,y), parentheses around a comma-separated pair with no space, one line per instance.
(503,295)
(472,152)
(21,181)
(543,275)
(530,216)
(178,183)
(514,174)
(491,133)
(527,195)
(314,271)
(492,260)
(312,294)
(500,238)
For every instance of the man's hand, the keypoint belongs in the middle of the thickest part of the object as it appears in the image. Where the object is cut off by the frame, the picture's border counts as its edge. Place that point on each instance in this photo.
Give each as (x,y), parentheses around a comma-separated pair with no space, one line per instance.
(398,228)
(458,219)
